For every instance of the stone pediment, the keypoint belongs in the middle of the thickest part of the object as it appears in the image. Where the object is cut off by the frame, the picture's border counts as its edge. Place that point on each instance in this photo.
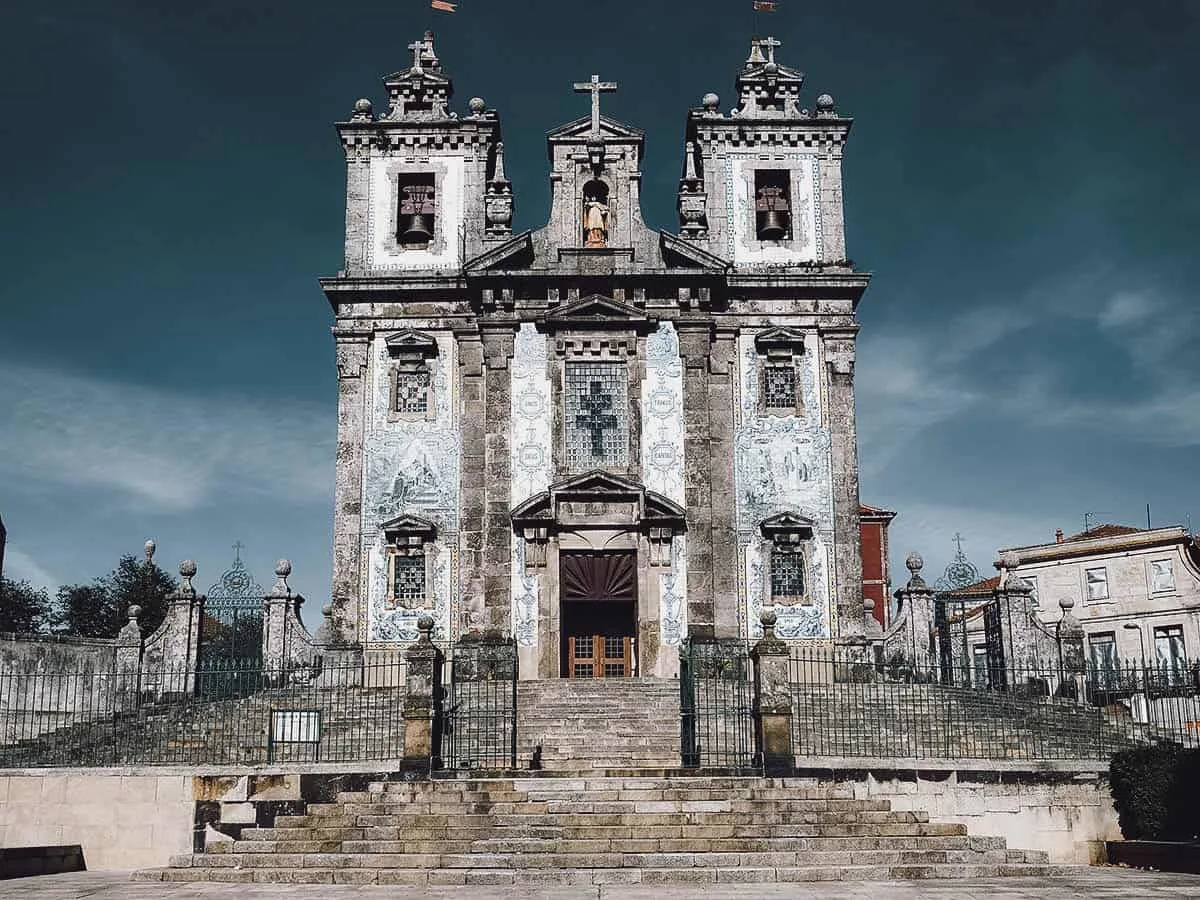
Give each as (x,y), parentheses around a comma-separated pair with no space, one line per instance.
(409,527)
(598,489)
(780,339)
(597,312)
(610,129)
(411,343)
(787,523)
(516,252)
(684,252)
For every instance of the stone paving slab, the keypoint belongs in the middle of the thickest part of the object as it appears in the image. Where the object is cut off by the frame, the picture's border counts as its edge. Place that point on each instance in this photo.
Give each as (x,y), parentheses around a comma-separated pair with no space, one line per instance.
(1094,884)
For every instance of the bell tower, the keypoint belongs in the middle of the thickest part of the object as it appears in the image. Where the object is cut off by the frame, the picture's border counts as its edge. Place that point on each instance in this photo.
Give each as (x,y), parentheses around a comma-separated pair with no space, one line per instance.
(762,186)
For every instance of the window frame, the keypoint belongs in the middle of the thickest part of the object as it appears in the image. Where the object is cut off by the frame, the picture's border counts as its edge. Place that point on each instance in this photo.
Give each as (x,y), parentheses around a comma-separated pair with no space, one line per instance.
(1156,591)
(622,410)
(1087,593)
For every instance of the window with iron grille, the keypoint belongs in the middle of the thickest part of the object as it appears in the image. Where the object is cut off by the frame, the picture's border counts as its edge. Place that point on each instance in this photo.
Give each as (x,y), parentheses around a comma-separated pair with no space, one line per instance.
(779,387)
(408,580)
(596,415)
(412,392)
(787,575)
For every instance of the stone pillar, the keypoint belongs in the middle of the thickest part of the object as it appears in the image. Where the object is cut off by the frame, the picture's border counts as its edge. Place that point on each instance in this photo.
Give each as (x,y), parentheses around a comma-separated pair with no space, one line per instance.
(772,700)
(847,553)
(128,660)
(914,642)
(422,700)
(1072,658)
(1017,630)
(352,351)
(473,480)
(276,607)
(176,644)
(498,347)
(695,347)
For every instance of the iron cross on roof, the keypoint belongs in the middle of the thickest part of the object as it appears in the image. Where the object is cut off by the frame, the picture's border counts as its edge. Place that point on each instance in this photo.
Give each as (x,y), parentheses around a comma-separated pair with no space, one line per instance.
(595,87)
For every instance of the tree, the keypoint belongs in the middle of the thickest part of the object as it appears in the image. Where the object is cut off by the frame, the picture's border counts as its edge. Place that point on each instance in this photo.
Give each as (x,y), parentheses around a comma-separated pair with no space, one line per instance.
(100,609)
(22,608)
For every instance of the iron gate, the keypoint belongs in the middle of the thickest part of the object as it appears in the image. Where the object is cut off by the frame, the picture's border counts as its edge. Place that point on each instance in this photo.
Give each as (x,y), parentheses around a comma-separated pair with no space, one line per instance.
(479,722)
(717,705)
(231,634)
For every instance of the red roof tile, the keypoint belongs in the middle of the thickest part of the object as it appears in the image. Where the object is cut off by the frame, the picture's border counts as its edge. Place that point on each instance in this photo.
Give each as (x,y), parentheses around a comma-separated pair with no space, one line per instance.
(1103,531)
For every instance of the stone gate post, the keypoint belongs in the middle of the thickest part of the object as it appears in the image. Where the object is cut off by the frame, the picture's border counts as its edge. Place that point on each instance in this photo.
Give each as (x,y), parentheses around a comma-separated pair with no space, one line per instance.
(128,660)
(772,700)
(422,698)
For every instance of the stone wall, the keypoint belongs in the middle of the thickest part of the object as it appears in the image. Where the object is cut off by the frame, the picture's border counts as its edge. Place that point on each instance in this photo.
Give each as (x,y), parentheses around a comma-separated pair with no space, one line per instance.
(121,821)
(1068,814)
(47,682)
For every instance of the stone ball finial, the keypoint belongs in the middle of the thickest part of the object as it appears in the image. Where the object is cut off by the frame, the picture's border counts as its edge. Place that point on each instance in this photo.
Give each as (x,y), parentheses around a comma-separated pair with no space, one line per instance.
(327,610)
(1066,604)
(914,563)
(363,107)
(771,67)
(150,547)
(825,102)
(187,568)
(868,606)
(768,617)
(477,106)
(133,612)
(283,568)
(711,101)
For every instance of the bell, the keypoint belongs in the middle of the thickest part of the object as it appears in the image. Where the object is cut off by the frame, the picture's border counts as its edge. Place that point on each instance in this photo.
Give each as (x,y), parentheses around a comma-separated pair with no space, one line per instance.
(772,225)
(418,230)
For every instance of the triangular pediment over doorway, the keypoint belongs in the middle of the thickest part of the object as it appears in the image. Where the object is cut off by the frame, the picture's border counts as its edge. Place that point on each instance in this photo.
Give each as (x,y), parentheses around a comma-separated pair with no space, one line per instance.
(596,311)
(610,129)
(599,487)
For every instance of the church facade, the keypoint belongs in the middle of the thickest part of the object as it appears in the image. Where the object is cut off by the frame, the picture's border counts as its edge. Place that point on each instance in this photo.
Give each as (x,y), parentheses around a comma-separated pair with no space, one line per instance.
(598,438)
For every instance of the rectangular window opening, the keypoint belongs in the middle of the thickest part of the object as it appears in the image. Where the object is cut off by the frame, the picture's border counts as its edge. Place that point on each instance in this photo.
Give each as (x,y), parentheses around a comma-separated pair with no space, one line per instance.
(779,387)
(1162,576)
(408,580)
(412,392)
(787,576)
(1097,583)
(416,210)
(596,415)
(772,205)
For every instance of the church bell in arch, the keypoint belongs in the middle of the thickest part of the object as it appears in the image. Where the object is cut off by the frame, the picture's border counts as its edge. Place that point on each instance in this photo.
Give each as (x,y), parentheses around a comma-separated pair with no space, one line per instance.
(416,213)
(772,207)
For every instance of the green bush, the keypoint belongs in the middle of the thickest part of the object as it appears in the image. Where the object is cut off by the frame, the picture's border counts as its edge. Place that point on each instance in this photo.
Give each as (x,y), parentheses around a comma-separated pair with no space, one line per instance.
(1156,792)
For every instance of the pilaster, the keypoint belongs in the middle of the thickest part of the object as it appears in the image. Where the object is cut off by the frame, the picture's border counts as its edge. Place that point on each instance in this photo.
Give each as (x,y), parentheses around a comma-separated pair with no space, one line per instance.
(722,367)
(498,342)
(347,596)
(695,347)
(847,555)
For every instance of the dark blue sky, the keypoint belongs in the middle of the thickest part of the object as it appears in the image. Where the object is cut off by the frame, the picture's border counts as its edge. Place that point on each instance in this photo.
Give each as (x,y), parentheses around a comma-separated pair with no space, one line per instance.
(1021,180)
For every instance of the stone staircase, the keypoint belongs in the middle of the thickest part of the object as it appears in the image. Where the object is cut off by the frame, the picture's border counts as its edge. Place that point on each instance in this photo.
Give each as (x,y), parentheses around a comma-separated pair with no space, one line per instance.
(585,725)
(601,830)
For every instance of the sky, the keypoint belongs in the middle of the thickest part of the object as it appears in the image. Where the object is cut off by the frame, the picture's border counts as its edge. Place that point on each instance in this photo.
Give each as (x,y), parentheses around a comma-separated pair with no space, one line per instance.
(1021,181)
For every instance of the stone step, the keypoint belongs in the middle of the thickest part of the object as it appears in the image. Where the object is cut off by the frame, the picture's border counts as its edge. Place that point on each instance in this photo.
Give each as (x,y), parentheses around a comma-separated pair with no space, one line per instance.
(552,876)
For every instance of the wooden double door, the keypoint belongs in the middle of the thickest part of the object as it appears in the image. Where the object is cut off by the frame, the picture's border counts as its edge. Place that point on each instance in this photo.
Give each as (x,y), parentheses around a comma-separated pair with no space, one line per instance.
(598,611)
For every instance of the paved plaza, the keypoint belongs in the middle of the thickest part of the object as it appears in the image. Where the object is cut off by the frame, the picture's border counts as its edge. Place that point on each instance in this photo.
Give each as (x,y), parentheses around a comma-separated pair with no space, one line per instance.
(1095,884)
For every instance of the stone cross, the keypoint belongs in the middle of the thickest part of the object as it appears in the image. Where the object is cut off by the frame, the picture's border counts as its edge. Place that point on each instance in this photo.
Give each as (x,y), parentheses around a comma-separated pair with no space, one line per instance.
(770,43)
(958,542)
(238,547)
(417,48)
(594,418)
(595,87)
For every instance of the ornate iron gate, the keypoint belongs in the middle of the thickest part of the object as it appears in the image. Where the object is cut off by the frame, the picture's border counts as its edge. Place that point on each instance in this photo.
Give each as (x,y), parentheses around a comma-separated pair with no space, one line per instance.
(231,634)
(717,705)
(479,722)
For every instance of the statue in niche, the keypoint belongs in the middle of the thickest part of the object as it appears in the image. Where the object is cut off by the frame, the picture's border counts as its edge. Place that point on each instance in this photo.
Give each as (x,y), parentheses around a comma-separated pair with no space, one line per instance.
(595,214)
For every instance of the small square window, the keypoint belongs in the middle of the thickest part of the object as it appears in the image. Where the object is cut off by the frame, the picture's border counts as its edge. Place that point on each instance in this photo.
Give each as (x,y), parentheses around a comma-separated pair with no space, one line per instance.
(412,392)
(1162,576)
(787,576)
(779,387)
(1097,583)
(408,580)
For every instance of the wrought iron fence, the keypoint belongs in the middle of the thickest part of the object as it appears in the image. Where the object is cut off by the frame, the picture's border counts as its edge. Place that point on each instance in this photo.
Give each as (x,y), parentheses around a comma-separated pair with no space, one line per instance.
(479,719)
(847,707)
(219,714)
(716,705)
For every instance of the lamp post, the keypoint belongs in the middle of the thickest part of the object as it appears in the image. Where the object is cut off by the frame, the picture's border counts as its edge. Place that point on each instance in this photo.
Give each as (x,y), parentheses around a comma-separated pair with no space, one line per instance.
(1134,626)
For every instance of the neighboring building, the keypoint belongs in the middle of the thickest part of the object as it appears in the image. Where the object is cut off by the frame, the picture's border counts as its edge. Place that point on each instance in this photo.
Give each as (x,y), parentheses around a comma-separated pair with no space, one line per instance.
(593,436)
(877,582)
(1135,591)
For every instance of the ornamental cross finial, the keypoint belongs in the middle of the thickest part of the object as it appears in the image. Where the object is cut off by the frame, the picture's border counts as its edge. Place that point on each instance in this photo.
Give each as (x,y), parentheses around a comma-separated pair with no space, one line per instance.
(417,48)
(238,547)
(958,542)
(595,87)
(770,43)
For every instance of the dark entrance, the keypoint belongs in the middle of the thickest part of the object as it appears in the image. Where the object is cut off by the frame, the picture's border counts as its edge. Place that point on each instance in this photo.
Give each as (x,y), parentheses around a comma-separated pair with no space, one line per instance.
(598,610)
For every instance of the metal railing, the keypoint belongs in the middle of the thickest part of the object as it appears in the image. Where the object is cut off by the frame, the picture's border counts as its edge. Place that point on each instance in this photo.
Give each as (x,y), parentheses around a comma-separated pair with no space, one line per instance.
(716,705)
(479,718)
(845,707)
(222,715)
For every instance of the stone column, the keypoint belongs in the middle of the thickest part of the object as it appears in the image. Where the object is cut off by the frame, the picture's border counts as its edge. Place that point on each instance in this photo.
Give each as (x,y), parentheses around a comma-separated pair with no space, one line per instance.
(276,607)
(176,644)
(721,397)
(847,562)
(472,431)
(772,700)
(695,347)
(422,700)
(352,351)
(1072,658)
(498,346)
(1017,630)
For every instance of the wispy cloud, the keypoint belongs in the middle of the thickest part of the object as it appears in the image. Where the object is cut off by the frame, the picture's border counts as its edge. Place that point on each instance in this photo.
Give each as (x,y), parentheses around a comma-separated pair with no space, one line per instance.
(150,448)
(20,566)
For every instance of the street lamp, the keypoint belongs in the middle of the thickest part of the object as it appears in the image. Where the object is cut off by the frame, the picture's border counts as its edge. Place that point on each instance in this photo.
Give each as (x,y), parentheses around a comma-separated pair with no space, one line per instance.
(1134,626)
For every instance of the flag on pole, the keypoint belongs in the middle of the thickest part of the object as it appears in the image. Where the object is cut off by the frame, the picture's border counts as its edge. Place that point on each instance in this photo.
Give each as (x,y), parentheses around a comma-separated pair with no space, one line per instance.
(764,5)
(443,5)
